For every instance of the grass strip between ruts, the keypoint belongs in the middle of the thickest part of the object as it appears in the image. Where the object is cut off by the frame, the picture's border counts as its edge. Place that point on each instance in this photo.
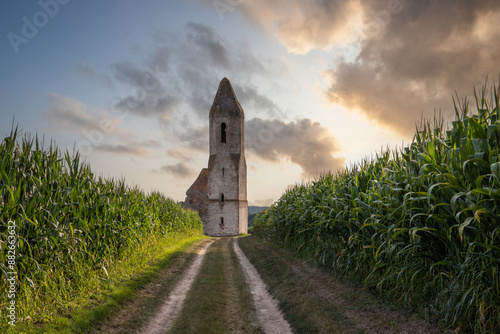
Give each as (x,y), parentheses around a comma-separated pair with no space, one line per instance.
(219,300)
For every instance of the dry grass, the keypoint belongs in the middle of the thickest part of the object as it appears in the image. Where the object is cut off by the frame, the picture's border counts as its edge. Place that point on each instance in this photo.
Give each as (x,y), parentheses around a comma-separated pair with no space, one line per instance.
(219,300)
(314,301)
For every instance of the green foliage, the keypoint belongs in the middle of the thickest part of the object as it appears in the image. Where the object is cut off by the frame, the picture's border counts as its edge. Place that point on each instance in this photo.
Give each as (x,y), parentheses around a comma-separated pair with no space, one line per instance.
(422,224)
(71,225)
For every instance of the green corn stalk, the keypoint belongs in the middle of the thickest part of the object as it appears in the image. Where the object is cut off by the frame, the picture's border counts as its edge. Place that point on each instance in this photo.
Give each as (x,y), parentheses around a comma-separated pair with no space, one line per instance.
(421,224)
(70,221)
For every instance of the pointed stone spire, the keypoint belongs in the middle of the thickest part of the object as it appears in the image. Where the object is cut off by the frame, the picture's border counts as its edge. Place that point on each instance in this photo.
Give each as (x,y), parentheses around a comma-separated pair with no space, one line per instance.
(225,102)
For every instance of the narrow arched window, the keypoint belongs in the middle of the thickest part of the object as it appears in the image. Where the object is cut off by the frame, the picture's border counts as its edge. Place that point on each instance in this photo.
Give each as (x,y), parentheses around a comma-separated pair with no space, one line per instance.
(221,221)
(222,171)
(223,130)
(222,197)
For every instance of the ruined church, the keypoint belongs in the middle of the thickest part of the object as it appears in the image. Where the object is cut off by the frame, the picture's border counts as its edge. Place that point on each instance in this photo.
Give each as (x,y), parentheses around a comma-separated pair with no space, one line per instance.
(219,194)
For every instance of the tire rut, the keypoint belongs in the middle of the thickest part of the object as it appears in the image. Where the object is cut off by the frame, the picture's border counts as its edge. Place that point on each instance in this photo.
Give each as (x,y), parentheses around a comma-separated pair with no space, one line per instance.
(134,314)
(268,313)
(164,319)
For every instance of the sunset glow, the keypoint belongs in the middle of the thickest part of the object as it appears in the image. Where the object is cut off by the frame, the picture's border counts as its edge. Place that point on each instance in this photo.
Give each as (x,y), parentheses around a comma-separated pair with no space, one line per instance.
(323,84)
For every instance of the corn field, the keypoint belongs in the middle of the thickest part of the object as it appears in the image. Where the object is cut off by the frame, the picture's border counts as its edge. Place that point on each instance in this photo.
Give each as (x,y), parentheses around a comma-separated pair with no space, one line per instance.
(71,222)
(421,224)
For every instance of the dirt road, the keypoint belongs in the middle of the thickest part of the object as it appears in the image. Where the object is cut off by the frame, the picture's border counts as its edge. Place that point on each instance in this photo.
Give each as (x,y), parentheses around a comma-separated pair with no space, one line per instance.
(163,320)
(218,287)
(270,317)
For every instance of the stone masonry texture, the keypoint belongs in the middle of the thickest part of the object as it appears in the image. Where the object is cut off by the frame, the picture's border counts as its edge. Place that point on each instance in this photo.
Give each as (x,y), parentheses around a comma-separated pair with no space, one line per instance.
(219,194)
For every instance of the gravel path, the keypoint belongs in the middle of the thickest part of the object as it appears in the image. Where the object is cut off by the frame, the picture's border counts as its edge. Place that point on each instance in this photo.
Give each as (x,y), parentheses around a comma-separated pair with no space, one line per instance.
(269,315)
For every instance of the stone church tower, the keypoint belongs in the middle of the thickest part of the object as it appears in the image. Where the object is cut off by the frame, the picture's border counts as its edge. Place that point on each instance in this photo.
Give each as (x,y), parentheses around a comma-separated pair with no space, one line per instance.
(219,194)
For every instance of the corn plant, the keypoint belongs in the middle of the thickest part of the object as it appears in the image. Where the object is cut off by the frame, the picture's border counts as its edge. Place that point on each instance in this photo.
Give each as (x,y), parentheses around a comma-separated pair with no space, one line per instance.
(422,224)
(70,221)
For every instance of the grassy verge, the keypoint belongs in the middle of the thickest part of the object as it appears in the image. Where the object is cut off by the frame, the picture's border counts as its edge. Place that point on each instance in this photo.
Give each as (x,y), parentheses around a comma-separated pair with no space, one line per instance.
(125,279)
(219,300)
(314,301)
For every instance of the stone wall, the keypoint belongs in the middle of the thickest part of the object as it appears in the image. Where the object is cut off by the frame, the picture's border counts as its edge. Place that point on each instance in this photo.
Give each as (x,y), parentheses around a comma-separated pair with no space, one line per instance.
(219,193)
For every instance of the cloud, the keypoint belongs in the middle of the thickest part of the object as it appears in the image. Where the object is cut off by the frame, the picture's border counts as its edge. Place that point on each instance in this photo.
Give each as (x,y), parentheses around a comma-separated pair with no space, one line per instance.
(179,169)
(213,51)
(203,46)
(304,142)
(149,96)
(418,60)
(149,143)
(249,96)
(123,149)
(179,76)
(205,38)
(88,71)
(70,115)
(146,104)
(180,154)
(94,128)
(262,202)
(408,58)
(193,137)
(175,82)
(130,147)
(305,25)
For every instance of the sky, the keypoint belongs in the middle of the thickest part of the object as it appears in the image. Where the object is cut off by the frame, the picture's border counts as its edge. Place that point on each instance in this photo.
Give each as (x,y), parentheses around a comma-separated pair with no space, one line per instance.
(323,84)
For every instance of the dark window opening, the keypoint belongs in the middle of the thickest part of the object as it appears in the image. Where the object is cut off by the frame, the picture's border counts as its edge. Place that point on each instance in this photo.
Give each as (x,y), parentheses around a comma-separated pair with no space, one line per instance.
(223,133)
(221,221)
(222,171)
(222,197)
